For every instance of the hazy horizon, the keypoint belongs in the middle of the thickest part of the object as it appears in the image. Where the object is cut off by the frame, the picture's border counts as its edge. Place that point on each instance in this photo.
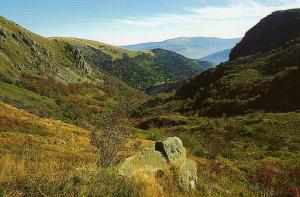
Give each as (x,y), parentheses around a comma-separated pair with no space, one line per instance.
(133,21)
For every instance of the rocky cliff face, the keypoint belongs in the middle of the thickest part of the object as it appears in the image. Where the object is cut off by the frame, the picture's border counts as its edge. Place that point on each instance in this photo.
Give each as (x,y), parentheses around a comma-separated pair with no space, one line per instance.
(270,33)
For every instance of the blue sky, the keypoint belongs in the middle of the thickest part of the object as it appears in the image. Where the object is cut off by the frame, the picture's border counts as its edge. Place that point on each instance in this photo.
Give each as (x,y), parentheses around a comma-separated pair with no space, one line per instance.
(122,22)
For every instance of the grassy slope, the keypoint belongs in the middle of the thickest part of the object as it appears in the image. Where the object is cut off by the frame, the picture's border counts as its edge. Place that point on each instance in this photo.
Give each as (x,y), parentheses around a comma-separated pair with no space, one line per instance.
(110,50)
(44,157)
(37,74)
(227,150)
(54,138)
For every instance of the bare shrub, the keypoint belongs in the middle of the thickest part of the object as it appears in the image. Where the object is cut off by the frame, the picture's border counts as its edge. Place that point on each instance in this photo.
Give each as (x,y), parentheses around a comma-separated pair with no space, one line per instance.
(114,134)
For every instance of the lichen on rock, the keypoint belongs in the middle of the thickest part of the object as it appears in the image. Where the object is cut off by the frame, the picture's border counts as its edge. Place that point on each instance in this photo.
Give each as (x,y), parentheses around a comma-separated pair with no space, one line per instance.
(168,153)
(172,149)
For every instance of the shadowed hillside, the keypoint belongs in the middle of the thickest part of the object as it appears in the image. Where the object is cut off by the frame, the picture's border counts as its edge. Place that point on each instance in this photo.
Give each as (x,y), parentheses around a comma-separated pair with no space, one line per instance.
(260,81)
(270,33)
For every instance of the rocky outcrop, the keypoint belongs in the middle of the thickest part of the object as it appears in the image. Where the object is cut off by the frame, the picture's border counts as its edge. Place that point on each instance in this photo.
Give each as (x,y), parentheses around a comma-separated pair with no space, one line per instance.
(2,34)
(169,153)
(270,33)
(80,61)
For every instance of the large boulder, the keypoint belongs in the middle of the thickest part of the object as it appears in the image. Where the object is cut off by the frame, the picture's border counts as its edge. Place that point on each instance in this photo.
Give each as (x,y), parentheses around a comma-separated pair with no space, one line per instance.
(167,154)
(172,149)
(147,160)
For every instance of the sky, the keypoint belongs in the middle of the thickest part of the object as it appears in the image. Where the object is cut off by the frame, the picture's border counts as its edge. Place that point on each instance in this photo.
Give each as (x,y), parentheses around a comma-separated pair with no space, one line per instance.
(123,22)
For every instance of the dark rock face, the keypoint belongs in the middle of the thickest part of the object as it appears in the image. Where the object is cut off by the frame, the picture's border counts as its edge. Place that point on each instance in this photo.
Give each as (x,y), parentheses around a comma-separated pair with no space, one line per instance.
(80,61)
(2,33)
(270,33)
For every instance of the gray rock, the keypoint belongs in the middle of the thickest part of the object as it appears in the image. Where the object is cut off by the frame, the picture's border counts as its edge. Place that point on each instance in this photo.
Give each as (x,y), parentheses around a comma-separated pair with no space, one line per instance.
(80,61)
(169,152)
(187,174)
(172,149)
(147,160)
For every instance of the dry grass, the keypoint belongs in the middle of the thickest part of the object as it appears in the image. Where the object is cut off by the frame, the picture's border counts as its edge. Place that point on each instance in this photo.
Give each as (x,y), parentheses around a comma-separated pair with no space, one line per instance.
(43,157)
(22,132)
(31,147)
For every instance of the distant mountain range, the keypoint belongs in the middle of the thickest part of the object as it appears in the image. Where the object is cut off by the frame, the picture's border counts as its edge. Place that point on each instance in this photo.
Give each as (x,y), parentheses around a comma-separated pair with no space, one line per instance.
(191,47)
(218,57)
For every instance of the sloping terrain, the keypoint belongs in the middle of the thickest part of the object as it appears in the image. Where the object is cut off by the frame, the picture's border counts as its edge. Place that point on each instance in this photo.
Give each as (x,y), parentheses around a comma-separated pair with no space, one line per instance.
(267,81)
(77,80)
(45,157)
(49,78)
(141,70)
(21,132)
(239,149)
(270,33)
(71,59)
(239,120)
(250,155)
(191,47)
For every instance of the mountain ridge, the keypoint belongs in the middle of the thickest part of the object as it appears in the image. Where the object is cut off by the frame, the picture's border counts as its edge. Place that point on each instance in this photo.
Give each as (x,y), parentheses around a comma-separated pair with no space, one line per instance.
(218,57)
(262,37)
(89,55)
(191,47)
(259,81)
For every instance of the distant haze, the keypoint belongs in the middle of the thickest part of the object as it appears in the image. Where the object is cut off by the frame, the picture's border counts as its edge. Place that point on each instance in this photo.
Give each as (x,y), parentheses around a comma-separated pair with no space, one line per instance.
(219,57)
(191,47)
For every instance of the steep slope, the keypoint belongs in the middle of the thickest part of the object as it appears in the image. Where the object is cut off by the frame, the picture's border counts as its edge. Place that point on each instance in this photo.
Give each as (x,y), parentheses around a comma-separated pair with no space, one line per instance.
(49,78)
(261,81)
(191,47)
(218,57)
(266,81)
(141,70)
(270,33)
(50,137)
(77,80)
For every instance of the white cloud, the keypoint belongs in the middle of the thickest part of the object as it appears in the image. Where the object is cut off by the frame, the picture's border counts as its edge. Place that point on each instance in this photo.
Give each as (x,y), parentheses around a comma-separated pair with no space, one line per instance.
(237,10)
(244,9)
(226,21)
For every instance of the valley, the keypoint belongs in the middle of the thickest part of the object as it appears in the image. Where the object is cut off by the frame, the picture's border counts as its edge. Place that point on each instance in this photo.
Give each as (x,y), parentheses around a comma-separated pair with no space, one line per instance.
(74,113)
